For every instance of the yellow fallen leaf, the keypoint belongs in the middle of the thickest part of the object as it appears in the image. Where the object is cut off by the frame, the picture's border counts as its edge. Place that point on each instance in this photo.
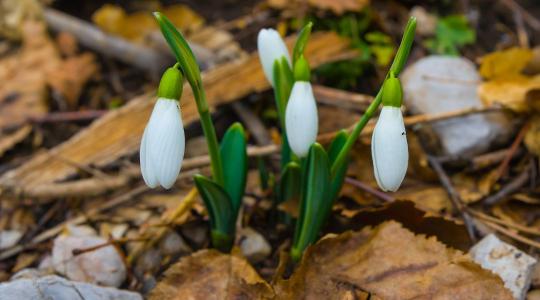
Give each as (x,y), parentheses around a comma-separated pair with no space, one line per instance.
(138,25)
(532,138)
(506,63)
(512,92)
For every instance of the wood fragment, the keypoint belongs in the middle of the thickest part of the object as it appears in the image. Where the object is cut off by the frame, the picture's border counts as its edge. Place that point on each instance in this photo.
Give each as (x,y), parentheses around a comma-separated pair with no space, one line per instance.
(253,123)
(365,187)
(513,186)
(454,196)
(118,133)
(8,141)
(340,98)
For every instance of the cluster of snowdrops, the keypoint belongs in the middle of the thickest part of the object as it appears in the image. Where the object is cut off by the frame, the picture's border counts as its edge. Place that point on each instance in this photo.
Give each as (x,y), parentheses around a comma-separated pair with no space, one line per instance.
(309,172)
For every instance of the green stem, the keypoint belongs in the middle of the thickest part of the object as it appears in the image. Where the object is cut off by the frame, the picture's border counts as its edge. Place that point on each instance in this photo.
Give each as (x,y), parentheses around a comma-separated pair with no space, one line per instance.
(221,241)
(396,67)
(210,134)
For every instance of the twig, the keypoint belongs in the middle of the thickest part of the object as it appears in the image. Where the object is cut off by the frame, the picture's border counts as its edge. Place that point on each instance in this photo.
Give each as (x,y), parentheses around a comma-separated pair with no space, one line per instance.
(68,116)
(253,123)
(74,221)
(512,234)
(509,188)
(527,17)
(341,98)
(525,229)
(183,207)
(418,119)
(365,187)
(455,199)
(503,167)
(92,37)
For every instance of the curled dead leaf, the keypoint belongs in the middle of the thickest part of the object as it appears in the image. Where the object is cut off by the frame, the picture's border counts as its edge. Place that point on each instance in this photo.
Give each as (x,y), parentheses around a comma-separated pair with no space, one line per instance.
(511,92)
(389,262)
(209,274)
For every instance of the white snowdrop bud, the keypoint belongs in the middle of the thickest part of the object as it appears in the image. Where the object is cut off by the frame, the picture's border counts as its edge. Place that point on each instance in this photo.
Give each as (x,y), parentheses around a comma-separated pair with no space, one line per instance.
(389,149)
(163,141)
(271,48)
(301,119)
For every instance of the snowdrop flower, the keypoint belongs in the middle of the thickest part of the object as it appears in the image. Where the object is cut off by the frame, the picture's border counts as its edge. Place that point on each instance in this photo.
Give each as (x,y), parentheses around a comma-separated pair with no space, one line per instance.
(271,48)
(389,150)
(301,119)
(163,141)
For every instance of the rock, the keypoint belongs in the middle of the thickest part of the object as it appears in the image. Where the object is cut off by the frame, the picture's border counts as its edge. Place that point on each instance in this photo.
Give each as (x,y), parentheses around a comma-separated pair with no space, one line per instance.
(426,22)
(511,264)
(103,265)
(148,262)
(253,245)
(58,288)
(9,238)
(173,244)
(29,273)
(437,84)
(196,233)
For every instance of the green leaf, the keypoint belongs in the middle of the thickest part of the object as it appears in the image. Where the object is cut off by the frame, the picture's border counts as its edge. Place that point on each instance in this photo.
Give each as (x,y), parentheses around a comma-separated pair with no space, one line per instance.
(333,151)
(283,83)
(284,80)
(314,200)
(181,50)
(234,160)
(381,46)
(217,203)
(264,176)
(301,42)
(290,183)
(451,33)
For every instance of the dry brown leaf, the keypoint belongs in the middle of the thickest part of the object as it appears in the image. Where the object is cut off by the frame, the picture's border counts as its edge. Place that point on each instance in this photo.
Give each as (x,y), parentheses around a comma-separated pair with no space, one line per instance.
(13,13)
(119,132)
(415,218)
(431,198)
(209,274)
(505,63)
(7,141)
(23,75)
(511,92)
(71,76)
(389,262)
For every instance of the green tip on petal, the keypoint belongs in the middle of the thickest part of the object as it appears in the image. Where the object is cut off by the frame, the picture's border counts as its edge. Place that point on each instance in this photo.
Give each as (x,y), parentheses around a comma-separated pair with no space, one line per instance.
(392,94)
(171,84)
(301,70)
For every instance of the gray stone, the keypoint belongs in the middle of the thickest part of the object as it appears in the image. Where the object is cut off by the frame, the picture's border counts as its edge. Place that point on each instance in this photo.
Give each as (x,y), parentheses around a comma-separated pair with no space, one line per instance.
(253,245)
(102,265)
(514,266)
(58,288)
(9,238)
(437,84)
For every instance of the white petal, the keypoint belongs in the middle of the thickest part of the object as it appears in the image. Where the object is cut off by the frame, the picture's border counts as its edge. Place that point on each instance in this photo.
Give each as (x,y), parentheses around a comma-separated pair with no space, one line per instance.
(389,149)
(162,147)
(271,47)
(301,119)
(147,173)
(167,144)
(147,165)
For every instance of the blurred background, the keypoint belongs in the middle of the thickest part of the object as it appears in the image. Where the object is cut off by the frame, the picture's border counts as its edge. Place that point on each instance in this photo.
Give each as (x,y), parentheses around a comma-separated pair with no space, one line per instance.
(78,80)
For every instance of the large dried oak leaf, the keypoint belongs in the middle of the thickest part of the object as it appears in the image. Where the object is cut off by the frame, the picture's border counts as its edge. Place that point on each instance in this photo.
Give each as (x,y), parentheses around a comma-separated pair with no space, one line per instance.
(389,262)
(209,275)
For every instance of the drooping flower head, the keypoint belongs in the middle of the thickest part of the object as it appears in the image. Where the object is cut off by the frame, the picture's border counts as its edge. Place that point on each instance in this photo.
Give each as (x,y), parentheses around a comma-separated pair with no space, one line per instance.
(301,118)
(271,48)
(163,141)
(389,149)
